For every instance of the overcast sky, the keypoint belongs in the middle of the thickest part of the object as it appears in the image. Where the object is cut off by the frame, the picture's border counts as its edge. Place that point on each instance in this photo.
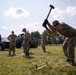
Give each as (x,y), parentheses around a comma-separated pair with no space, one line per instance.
(18,14)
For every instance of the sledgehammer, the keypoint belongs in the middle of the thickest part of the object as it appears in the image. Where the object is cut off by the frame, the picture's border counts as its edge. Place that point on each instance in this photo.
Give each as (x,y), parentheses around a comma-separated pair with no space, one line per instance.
(51,7)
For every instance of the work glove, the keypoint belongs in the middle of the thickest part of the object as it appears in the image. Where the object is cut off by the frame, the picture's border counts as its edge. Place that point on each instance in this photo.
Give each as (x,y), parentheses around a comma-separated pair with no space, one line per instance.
(45,22)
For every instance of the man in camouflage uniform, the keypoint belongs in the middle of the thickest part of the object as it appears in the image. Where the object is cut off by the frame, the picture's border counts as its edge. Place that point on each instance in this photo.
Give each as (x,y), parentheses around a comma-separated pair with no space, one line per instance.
(43,43)
(70,40)
(12,37)
(26,40)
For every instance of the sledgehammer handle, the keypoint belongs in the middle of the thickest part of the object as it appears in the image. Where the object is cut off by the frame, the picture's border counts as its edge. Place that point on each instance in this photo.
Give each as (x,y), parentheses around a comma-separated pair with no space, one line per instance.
(51,7)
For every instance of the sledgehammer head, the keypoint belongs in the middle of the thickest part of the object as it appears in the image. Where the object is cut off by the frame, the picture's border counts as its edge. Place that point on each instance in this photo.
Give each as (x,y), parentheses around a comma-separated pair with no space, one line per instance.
(52,7)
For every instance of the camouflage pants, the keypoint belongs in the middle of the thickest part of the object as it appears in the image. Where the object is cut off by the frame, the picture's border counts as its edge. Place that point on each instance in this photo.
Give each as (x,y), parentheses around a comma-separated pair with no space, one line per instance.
(12,47)
(26,48)
(43,47)
(69,47)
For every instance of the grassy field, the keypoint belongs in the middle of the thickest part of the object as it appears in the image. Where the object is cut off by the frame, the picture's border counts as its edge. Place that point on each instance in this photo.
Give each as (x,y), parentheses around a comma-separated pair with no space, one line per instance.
(20,65)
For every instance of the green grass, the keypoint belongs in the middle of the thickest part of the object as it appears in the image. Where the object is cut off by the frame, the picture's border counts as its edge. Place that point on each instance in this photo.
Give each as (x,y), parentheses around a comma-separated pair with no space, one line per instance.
(20,65)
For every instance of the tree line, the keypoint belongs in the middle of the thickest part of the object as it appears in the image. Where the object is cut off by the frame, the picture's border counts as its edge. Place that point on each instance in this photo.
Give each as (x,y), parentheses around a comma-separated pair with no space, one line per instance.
(52,39)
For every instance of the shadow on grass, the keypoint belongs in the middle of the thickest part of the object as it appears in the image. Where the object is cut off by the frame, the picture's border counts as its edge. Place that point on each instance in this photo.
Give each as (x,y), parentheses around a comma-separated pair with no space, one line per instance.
(28,57)
(11,55)
(47,52)
(32,53)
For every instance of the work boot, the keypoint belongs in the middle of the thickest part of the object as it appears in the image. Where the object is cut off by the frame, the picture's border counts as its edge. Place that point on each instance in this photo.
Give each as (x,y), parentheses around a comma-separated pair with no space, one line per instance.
(9,53)
(72,62)
(44,51)
(68,60)
(27,53)
(14,54)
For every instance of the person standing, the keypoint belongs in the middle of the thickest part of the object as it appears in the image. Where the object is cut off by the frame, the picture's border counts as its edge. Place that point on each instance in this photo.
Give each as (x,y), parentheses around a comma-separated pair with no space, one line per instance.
(43,43)
(26,40)
(70,38)
(12,37)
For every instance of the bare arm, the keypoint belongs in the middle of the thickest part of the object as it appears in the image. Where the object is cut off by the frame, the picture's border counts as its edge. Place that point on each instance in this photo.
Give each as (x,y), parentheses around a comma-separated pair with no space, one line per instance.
(8,37)
(50,26)
(53,29)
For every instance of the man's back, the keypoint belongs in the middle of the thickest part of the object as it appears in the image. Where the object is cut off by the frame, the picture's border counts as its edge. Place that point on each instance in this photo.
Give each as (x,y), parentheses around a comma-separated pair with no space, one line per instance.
(67,30)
